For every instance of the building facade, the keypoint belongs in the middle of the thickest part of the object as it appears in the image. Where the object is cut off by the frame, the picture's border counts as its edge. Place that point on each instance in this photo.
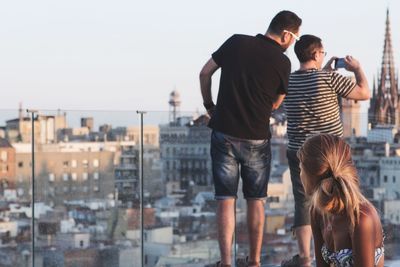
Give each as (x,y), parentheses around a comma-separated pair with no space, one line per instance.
(351,117)
(127,174)
(60,175)
(185,152)
(7,165)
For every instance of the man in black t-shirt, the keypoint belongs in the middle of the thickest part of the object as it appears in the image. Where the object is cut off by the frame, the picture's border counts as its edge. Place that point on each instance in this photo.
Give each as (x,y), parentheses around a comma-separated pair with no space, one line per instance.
(254,81)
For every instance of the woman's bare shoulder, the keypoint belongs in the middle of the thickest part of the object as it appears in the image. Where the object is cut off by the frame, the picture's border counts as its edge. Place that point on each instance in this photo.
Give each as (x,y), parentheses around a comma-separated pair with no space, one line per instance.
(369,220)
(368,213)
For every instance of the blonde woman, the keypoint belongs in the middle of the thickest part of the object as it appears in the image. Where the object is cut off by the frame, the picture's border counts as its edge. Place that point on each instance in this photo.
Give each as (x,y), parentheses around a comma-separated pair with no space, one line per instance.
(346,227)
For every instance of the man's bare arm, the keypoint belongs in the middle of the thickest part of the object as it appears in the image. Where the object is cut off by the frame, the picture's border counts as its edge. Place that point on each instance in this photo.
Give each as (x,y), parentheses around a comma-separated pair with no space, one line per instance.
(205,82)
(278,101)
(361,90)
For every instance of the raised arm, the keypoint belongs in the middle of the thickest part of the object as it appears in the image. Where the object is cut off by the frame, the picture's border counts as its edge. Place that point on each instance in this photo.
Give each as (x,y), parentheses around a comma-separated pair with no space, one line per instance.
(361,90)
(205,83)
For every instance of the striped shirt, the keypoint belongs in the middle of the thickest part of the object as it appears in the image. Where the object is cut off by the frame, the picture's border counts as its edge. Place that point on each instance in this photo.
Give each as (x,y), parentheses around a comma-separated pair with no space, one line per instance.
(312,106)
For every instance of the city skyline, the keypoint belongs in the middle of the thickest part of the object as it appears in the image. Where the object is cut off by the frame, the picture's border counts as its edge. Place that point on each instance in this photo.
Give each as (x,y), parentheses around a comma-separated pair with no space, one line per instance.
(77,184)
(128,56)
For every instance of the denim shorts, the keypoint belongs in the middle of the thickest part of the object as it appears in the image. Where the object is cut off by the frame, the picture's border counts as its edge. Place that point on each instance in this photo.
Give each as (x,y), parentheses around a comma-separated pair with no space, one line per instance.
(301,201)
(231,156)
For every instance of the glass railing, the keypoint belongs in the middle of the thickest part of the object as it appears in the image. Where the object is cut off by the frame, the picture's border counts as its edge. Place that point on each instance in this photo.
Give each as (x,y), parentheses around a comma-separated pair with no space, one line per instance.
(178,187)
(122,188)
(16,210)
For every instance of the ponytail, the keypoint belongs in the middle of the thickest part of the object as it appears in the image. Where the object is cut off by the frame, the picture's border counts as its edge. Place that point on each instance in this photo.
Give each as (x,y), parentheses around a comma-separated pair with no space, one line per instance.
(335,195)
(332,176)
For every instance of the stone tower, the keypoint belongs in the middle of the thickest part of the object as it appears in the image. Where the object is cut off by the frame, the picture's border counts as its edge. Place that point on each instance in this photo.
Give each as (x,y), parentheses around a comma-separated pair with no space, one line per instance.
(385,103)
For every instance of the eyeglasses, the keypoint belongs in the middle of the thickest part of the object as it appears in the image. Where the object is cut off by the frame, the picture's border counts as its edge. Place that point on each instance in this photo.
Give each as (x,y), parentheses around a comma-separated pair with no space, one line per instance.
(294,35)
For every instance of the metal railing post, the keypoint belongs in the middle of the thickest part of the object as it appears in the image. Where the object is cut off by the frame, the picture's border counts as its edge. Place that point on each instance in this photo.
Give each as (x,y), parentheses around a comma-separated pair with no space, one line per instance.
(33,113)
(141,114)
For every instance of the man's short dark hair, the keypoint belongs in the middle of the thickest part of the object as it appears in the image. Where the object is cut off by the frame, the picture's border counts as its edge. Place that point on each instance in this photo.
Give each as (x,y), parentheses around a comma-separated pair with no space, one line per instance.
(284,20)
(306,46)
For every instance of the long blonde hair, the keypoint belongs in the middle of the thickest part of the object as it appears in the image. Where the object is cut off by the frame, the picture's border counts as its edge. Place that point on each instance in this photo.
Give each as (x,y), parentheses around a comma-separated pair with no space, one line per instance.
(331,177)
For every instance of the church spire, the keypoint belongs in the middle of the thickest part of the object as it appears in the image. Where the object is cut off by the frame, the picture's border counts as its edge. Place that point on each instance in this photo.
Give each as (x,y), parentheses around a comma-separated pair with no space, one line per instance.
(387,68)
(373,87)
(386,95)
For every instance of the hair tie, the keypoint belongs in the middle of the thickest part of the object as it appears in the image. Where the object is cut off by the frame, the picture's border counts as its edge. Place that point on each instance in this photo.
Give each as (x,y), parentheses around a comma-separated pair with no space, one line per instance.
(327,175)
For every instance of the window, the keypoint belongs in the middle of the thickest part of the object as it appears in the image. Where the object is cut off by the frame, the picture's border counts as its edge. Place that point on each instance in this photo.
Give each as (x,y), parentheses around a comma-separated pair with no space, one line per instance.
(4,168)
(74,163)
(96,163)
(20,191)
(96,189)
(85,189)
(51,177)
(20,164)
(74,176)
(65,177)
(96,176)
(394,179)
(273,199)
(385,178)
(85,163)
(66,189)
(51,191)
(3,155)
(84,176)
(65,164)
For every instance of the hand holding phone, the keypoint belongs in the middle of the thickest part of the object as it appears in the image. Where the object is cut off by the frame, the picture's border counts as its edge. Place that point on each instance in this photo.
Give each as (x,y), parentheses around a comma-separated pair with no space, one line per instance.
(340,63)
(352,64)
(328,65)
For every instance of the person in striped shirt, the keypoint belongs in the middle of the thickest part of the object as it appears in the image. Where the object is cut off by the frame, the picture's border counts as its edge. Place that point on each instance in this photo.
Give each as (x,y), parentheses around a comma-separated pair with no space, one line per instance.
(312,107)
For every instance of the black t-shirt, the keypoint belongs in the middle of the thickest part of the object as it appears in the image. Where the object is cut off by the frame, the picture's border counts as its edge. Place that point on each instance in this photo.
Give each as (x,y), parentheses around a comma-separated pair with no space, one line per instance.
(254,71)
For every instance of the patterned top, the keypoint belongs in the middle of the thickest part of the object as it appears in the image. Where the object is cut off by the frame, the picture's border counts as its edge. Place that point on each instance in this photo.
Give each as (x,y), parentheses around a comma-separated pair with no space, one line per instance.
(312,106)
(344,257)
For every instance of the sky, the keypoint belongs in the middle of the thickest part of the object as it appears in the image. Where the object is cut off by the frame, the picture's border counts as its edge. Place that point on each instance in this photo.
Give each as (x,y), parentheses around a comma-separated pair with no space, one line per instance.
(129,55)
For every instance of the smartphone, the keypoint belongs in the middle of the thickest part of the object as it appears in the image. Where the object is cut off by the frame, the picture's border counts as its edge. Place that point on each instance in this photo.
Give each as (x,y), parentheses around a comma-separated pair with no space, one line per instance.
(340,63)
